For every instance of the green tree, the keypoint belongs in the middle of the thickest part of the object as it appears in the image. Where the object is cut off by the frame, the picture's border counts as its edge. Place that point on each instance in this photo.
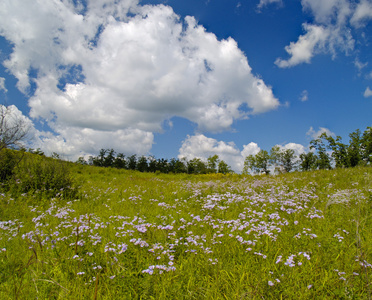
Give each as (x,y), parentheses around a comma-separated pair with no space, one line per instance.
(196,166)
(120,162)
(258,163)
(132,162)
(212,163)
(366,146)
(308,161)
(142,164)
(287,159)
(108,160)
(323,158)
(224,168)
(249,164)
(354,152)
(177,166)
(339,151)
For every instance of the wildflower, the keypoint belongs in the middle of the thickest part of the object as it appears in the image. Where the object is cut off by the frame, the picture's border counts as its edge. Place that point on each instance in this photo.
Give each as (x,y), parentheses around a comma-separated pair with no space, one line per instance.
(309,286)
(270,283)
(80,273)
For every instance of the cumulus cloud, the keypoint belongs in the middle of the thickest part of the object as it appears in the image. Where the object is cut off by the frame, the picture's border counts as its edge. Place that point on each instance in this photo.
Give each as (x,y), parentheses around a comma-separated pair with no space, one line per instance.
(312,42)
(200,146)
(368,92)
(330,31)
(315,134)
(119,67)
(297,148)
(2,85)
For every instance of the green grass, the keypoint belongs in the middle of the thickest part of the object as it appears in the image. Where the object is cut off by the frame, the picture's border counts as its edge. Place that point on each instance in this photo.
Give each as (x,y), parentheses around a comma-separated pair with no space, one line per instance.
(131,235)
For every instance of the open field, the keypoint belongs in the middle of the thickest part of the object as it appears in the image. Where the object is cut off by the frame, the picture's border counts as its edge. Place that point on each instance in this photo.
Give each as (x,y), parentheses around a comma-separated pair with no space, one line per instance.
(131,235)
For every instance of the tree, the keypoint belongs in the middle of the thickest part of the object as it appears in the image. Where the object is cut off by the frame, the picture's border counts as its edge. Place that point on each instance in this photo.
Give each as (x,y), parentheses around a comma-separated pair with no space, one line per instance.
(287,159)
(142,164)
(196,166)
(14,129)
(249,164)
(366,145)
(354,149)
(323,159)
(132,162)
(339,151)
(258,163)
(275,153)
(162,165)
(177,166)
(308,161)
(120,162)
(212,162)
(109,159)
(224,168)
(263,162)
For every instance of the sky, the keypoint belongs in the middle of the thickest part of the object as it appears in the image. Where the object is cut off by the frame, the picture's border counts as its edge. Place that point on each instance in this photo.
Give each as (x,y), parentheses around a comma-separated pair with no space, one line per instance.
(189,78)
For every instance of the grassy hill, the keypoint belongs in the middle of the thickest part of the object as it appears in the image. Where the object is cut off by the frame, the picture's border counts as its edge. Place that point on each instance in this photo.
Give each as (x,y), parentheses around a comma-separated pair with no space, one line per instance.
(131,235)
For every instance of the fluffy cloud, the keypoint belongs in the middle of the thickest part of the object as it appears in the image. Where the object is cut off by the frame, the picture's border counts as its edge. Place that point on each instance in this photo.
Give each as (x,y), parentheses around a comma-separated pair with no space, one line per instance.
(202,147)
(306,47)
(315,134)
(111,68)
(331,31)
(297,148)
(367,92)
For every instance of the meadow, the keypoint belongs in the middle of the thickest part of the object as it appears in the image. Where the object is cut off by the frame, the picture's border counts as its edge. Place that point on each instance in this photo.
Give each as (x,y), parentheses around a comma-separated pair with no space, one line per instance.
(132,235)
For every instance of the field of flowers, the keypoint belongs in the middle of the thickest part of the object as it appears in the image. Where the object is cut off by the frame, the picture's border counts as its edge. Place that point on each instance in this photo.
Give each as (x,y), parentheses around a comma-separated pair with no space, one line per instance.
(131,235)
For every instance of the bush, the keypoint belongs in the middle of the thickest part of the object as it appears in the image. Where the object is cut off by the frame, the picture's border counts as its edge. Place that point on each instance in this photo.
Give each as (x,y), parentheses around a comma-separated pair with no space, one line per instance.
(42,175)
(9,159)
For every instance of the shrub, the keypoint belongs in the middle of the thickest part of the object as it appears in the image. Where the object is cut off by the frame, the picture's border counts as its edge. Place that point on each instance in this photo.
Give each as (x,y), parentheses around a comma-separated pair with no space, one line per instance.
(43,175)
(9,159)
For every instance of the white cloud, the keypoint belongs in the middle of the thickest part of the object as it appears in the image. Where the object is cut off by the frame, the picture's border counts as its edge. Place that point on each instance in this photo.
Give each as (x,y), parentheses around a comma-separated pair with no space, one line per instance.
(267,2)
(362,13)
(359,65)
(304,96)
(329,33)
(328,11)
(134,71)
(13,117)
(202,147)
(307,45)
(367,92)
(315,134)
(71,143)
(297,148)
(2,85)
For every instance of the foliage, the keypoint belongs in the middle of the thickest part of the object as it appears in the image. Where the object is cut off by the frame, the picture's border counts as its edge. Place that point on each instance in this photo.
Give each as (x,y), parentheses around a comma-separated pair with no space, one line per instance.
(108,158)
(35,174)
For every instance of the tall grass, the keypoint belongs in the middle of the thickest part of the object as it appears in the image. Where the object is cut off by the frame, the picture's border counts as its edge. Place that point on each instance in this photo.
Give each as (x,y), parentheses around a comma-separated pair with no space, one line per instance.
(130,235)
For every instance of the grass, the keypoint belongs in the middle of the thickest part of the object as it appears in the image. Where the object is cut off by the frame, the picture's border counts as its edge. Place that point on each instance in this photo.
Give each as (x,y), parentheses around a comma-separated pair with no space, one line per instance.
(131,235)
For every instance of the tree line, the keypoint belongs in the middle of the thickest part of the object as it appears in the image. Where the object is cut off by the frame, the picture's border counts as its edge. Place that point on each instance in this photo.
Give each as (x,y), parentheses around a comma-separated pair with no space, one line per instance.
(326,152)
(109,158)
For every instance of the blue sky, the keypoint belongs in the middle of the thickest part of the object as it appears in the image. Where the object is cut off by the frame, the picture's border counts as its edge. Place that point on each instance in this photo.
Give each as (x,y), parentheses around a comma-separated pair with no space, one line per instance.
(186,78)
